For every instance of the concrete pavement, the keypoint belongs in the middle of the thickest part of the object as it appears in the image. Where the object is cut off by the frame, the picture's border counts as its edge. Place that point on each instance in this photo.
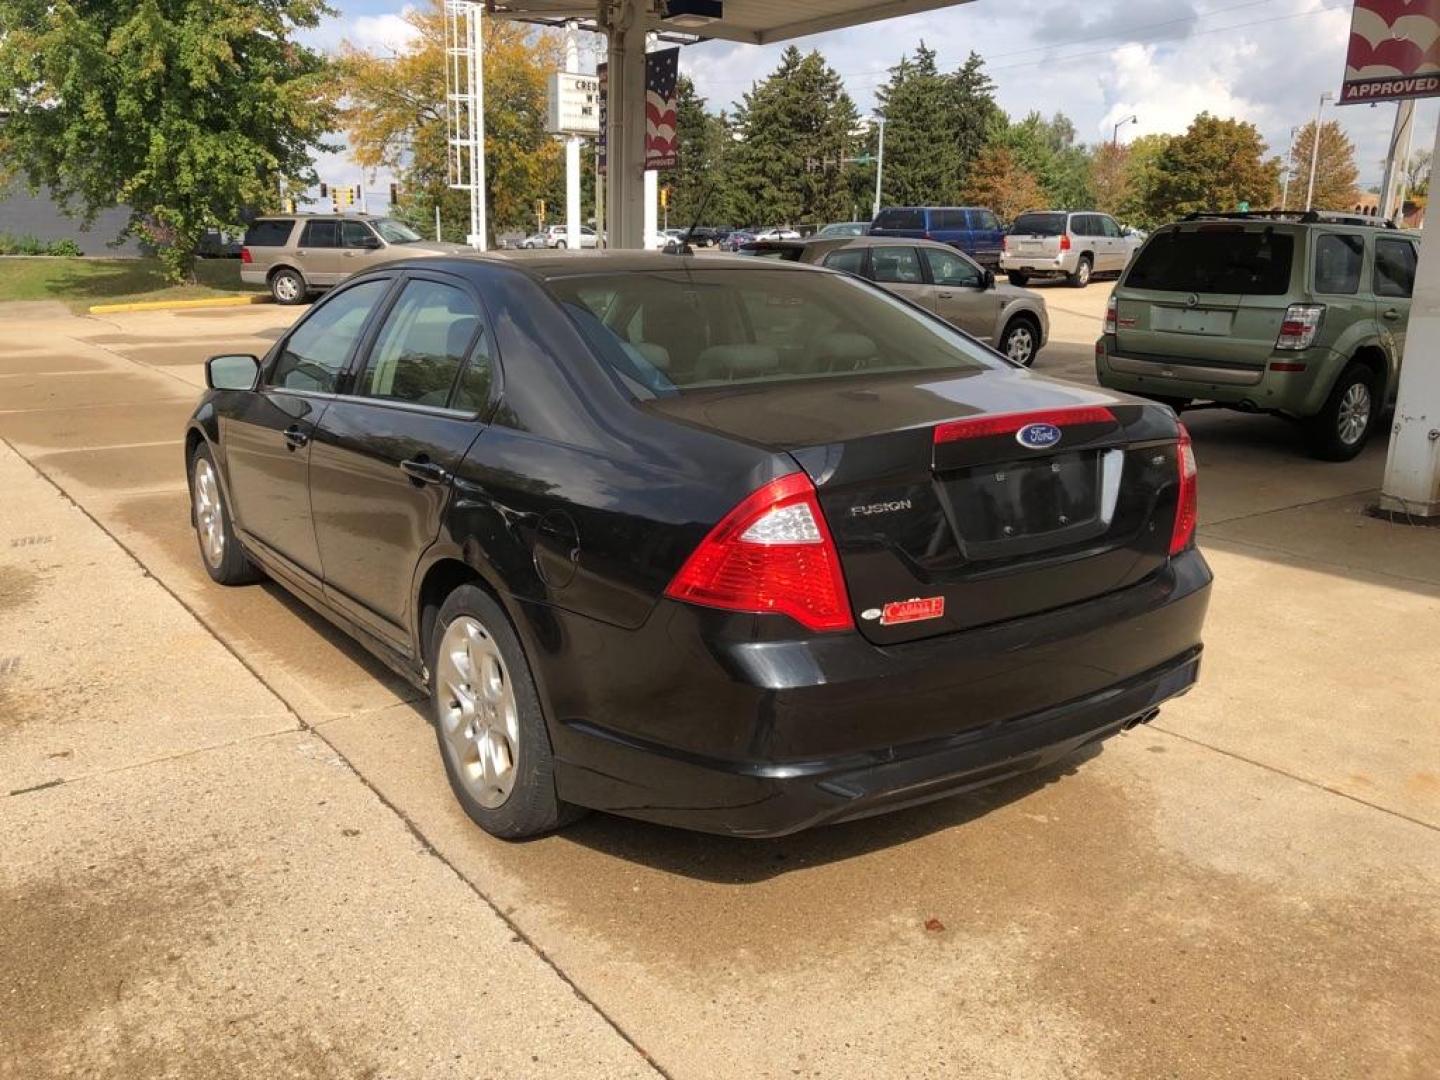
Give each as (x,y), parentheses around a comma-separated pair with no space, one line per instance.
(1245,888)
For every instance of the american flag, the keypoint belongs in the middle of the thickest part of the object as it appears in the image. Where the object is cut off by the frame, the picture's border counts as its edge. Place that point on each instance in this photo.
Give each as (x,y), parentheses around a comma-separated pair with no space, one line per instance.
(662,144)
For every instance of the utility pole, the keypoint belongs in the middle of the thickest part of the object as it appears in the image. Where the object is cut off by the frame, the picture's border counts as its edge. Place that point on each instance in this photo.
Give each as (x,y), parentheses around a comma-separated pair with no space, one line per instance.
(1289,168)
(1396,162)
(572,148)
(1115,131)
(879,165)
(1315,148)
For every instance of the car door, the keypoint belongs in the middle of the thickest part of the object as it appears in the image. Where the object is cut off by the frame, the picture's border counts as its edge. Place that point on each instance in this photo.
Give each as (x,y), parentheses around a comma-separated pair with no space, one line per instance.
(961,295)
(1394,282)
(267,441)
(898,269)
(386,447)
(360,248)
(985,236)
(320,253)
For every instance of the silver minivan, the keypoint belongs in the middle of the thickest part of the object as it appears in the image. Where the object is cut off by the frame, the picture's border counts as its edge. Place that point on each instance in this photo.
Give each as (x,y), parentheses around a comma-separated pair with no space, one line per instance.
(1062,243)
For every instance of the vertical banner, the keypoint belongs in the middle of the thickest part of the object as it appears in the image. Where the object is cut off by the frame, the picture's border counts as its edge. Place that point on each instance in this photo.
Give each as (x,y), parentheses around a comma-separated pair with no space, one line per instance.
(602,73)
(1394,51)
(662,143)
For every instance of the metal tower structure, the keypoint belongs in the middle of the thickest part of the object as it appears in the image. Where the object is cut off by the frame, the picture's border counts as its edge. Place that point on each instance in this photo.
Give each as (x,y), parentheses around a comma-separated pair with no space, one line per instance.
(465,109)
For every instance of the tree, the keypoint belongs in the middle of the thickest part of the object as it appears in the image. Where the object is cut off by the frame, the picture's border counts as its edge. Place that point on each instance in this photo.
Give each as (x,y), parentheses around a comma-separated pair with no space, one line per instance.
(1335,171)
(1110,176)
(796,129)
(999,181)
(191,112)
(1142,155)
(702,146)
(1216,165)
(1047,148)
(395,117)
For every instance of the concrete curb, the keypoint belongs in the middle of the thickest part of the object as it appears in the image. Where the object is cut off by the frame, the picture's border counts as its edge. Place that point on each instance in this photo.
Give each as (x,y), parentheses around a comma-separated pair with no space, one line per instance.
(166,305)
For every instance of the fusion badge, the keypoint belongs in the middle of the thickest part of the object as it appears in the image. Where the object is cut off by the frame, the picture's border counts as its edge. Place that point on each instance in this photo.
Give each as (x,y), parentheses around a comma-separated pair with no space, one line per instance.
(915,610)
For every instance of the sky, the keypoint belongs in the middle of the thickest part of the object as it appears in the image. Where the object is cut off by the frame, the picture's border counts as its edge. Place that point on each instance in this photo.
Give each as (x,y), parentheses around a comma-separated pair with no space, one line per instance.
(1162,61)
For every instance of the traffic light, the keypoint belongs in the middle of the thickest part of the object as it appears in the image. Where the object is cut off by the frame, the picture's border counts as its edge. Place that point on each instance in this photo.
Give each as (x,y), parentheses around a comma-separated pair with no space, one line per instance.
(664,198)
(324,190)
(394,195)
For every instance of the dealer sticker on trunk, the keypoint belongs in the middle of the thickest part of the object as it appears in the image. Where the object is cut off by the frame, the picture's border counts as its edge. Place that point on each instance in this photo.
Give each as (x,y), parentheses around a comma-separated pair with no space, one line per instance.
(914,610)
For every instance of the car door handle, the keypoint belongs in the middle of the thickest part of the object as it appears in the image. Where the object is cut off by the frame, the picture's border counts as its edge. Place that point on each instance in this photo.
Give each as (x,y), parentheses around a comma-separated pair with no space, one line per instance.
(945,295)
(296,437)
(424,471)
(1392,313)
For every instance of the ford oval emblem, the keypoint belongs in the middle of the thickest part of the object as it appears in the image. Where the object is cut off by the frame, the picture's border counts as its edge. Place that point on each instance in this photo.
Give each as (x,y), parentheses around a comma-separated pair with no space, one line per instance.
(1038,436)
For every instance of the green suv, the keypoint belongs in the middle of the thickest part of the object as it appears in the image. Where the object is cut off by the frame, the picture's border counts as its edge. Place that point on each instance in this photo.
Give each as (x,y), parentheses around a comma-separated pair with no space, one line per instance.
(1297,315)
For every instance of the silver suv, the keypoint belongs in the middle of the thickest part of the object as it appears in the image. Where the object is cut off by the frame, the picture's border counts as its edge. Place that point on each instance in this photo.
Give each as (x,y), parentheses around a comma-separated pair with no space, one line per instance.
(1069,244)
(297,255)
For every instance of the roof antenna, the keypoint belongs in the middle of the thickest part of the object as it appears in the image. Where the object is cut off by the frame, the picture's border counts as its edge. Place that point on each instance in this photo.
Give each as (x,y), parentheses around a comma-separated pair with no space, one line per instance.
(685,248)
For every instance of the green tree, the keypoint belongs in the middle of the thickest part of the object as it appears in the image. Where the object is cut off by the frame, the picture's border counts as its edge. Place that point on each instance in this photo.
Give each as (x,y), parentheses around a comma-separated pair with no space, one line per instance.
(1110,176)
(1335,170)
(1048,150)
(1216,165)
(189,112)
(702,146)
(1142,156)
(796,128)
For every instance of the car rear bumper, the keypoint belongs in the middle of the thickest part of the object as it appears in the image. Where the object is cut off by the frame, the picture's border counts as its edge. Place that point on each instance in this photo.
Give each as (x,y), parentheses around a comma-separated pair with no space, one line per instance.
(1040,265)
(1297,393)
(765,738)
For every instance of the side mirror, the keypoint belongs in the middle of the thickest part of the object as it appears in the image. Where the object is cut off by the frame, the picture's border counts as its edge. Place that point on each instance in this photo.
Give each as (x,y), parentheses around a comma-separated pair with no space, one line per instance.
(370,243)
(231,371)
(987,280)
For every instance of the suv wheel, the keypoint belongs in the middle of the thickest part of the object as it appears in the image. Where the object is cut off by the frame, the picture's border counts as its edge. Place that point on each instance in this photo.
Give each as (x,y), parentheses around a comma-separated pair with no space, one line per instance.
(1081,277)
(1018,278)
(287,286)
(221,553)
(488,721)
(1341,428)
(561,244)
(1020,341)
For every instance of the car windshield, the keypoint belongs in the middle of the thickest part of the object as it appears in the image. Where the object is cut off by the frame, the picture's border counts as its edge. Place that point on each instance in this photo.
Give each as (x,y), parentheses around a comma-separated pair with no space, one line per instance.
(1038,225)
(1223,259)
(900,219)
(667,332)
(395,232)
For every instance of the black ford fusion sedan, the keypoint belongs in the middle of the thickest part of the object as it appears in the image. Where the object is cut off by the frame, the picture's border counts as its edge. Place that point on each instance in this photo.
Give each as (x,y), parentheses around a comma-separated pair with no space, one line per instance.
(735,545)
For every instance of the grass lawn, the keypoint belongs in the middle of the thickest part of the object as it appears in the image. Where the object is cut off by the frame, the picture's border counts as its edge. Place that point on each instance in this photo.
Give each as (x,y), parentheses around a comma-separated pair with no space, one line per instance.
(82,282)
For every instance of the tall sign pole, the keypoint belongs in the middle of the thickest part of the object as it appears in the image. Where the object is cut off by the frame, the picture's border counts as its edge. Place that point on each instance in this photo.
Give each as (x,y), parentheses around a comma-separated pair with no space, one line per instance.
(879,166)
(465,109)
(572,149)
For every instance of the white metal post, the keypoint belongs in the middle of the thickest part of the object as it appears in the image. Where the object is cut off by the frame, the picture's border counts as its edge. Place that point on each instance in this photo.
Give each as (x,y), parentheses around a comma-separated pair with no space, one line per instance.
(1396,158)
(478,224)
(652,178)
(1412,469)
(465,108)
(1315,148)
(572,149)
(625,116)
(1289,168)
(879,166)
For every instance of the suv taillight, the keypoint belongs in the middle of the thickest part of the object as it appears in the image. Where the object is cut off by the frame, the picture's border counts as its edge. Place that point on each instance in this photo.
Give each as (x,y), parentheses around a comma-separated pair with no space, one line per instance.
(1188,504)
(1004,243)
(1064,241)
(1301,324)
(771,554)
(245,256)
(1112,315)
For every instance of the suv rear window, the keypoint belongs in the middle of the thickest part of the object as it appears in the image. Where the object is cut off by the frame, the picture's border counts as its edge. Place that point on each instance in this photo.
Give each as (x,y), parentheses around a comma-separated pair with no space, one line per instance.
(269,232)
(900,219)
(1253,263)
(1038,225)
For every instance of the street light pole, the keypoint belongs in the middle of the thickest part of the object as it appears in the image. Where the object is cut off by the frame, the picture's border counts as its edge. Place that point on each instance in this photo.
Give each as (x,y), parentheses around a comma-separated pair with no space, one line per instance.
(1289,168)
(1115,131)
(1315,148)
(879,165)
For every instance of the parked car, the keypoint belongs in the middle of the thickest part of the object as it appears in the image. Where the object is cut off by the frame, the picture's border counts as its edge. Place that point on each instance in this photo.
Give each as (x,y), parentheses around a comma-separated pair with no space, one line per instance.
(737,545)
(973,229)
(1074,245)
(535,240)
(298,255)
(702,235)
(558,236)
(843,228)
(948,282)
(737,239)
(777,232)
(1296,315)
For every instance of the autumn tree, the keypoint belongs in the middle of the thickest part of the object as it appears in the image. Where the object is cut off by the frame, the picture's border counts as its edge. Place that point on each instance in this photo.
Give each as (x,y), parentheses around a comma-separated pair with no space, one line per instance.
(999,181)
(1216,165)
(1142,156)
(1048,150)
(1335,171)
(395,118)
(191,113)
(1110,177)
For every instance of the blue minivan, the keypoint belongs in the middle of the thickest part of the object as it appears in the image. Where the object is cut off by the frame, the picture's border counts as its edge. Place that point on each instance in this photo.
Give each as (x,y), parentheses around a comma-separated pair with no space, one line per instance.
(973,229)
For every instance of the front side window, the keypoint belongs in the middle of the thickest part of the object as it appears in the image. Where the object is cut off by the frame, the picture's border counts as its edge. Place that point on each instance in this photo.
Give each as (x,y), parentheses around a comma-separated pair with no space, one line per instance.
(419,350)
(952,268)
(1338,257)
(318,349)
(1109,228)
(1394,267)
(321,234)
(896,265)
(356,234)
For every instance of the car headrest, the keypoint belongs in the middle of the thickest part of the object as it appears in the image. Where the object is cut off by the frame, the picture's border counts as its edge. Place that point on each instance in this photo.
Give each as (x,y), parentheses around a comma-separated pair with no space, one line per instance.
(839,351)
(728,361)
(657,356)
(458,336)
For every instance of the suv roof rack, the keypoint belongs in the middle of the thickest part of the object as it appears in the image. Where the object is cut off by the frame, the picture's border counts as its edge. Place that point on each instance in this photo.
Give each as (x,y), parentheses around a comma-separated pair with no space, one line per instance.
(1301,217)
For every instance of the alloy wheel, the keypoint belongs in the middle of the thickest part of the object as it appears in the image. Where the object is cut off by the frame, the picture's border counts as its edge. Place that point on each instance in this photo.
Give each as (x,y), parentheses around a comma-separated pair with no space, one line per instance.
(1020,346)
(1353,416)
(479,716)
(287,289)
(209,521)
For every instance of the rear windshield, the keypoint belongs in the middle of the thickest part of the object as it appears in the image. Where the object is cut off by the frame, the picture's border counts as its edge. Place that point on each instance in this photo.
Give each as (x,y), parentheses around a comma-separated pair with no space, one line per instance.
(269,233)
(1253,263)
(900,219)
(1038,225)
(667,332)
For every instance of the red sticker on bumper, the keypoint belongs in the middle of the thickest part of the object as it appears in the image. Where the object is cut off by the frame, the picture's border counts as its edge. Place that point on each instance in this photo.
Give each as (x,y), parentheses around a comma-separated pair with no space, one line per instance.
(905,611)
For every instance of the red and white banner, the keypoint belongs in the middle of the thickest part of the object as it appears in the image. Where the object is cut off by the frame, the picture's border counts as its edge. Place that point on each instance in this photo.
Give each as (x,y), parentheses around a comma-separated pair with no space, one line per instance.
(1394,51)
(662,141)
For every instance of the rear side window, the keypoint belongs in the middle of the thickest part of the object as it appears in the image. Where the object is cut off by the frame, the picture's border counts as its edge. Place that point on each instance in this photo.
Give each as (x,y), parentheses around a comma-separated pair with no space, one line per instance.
(421,346)
(269,233)
(900,219)
(851,260)
(948,220)
(1394,267)
(1338,257)
(1038,225)
(897,265)
(321,234)
(1225,260)
(316,353)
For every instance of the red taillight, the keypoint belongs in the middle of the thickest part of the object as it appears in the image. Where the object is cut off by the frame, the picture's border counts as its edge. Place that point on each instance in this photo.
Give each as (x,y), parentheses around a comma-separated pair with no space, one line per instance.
(245,255)
(984,427)
(1004,243)
(1188,504)
(1112,315)
(772,554)
(1299,327)
(1064,241)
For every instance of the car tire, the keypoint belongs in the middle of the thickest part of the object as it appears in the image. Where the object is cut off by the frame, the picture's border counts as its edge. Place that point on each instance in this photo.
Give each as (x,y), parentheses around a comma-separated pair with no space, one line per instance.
(1342,427)
(1021,340)
(560,245)
(488,721)
(1018,279)
(220,552)
(288,287)
(1081,277)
